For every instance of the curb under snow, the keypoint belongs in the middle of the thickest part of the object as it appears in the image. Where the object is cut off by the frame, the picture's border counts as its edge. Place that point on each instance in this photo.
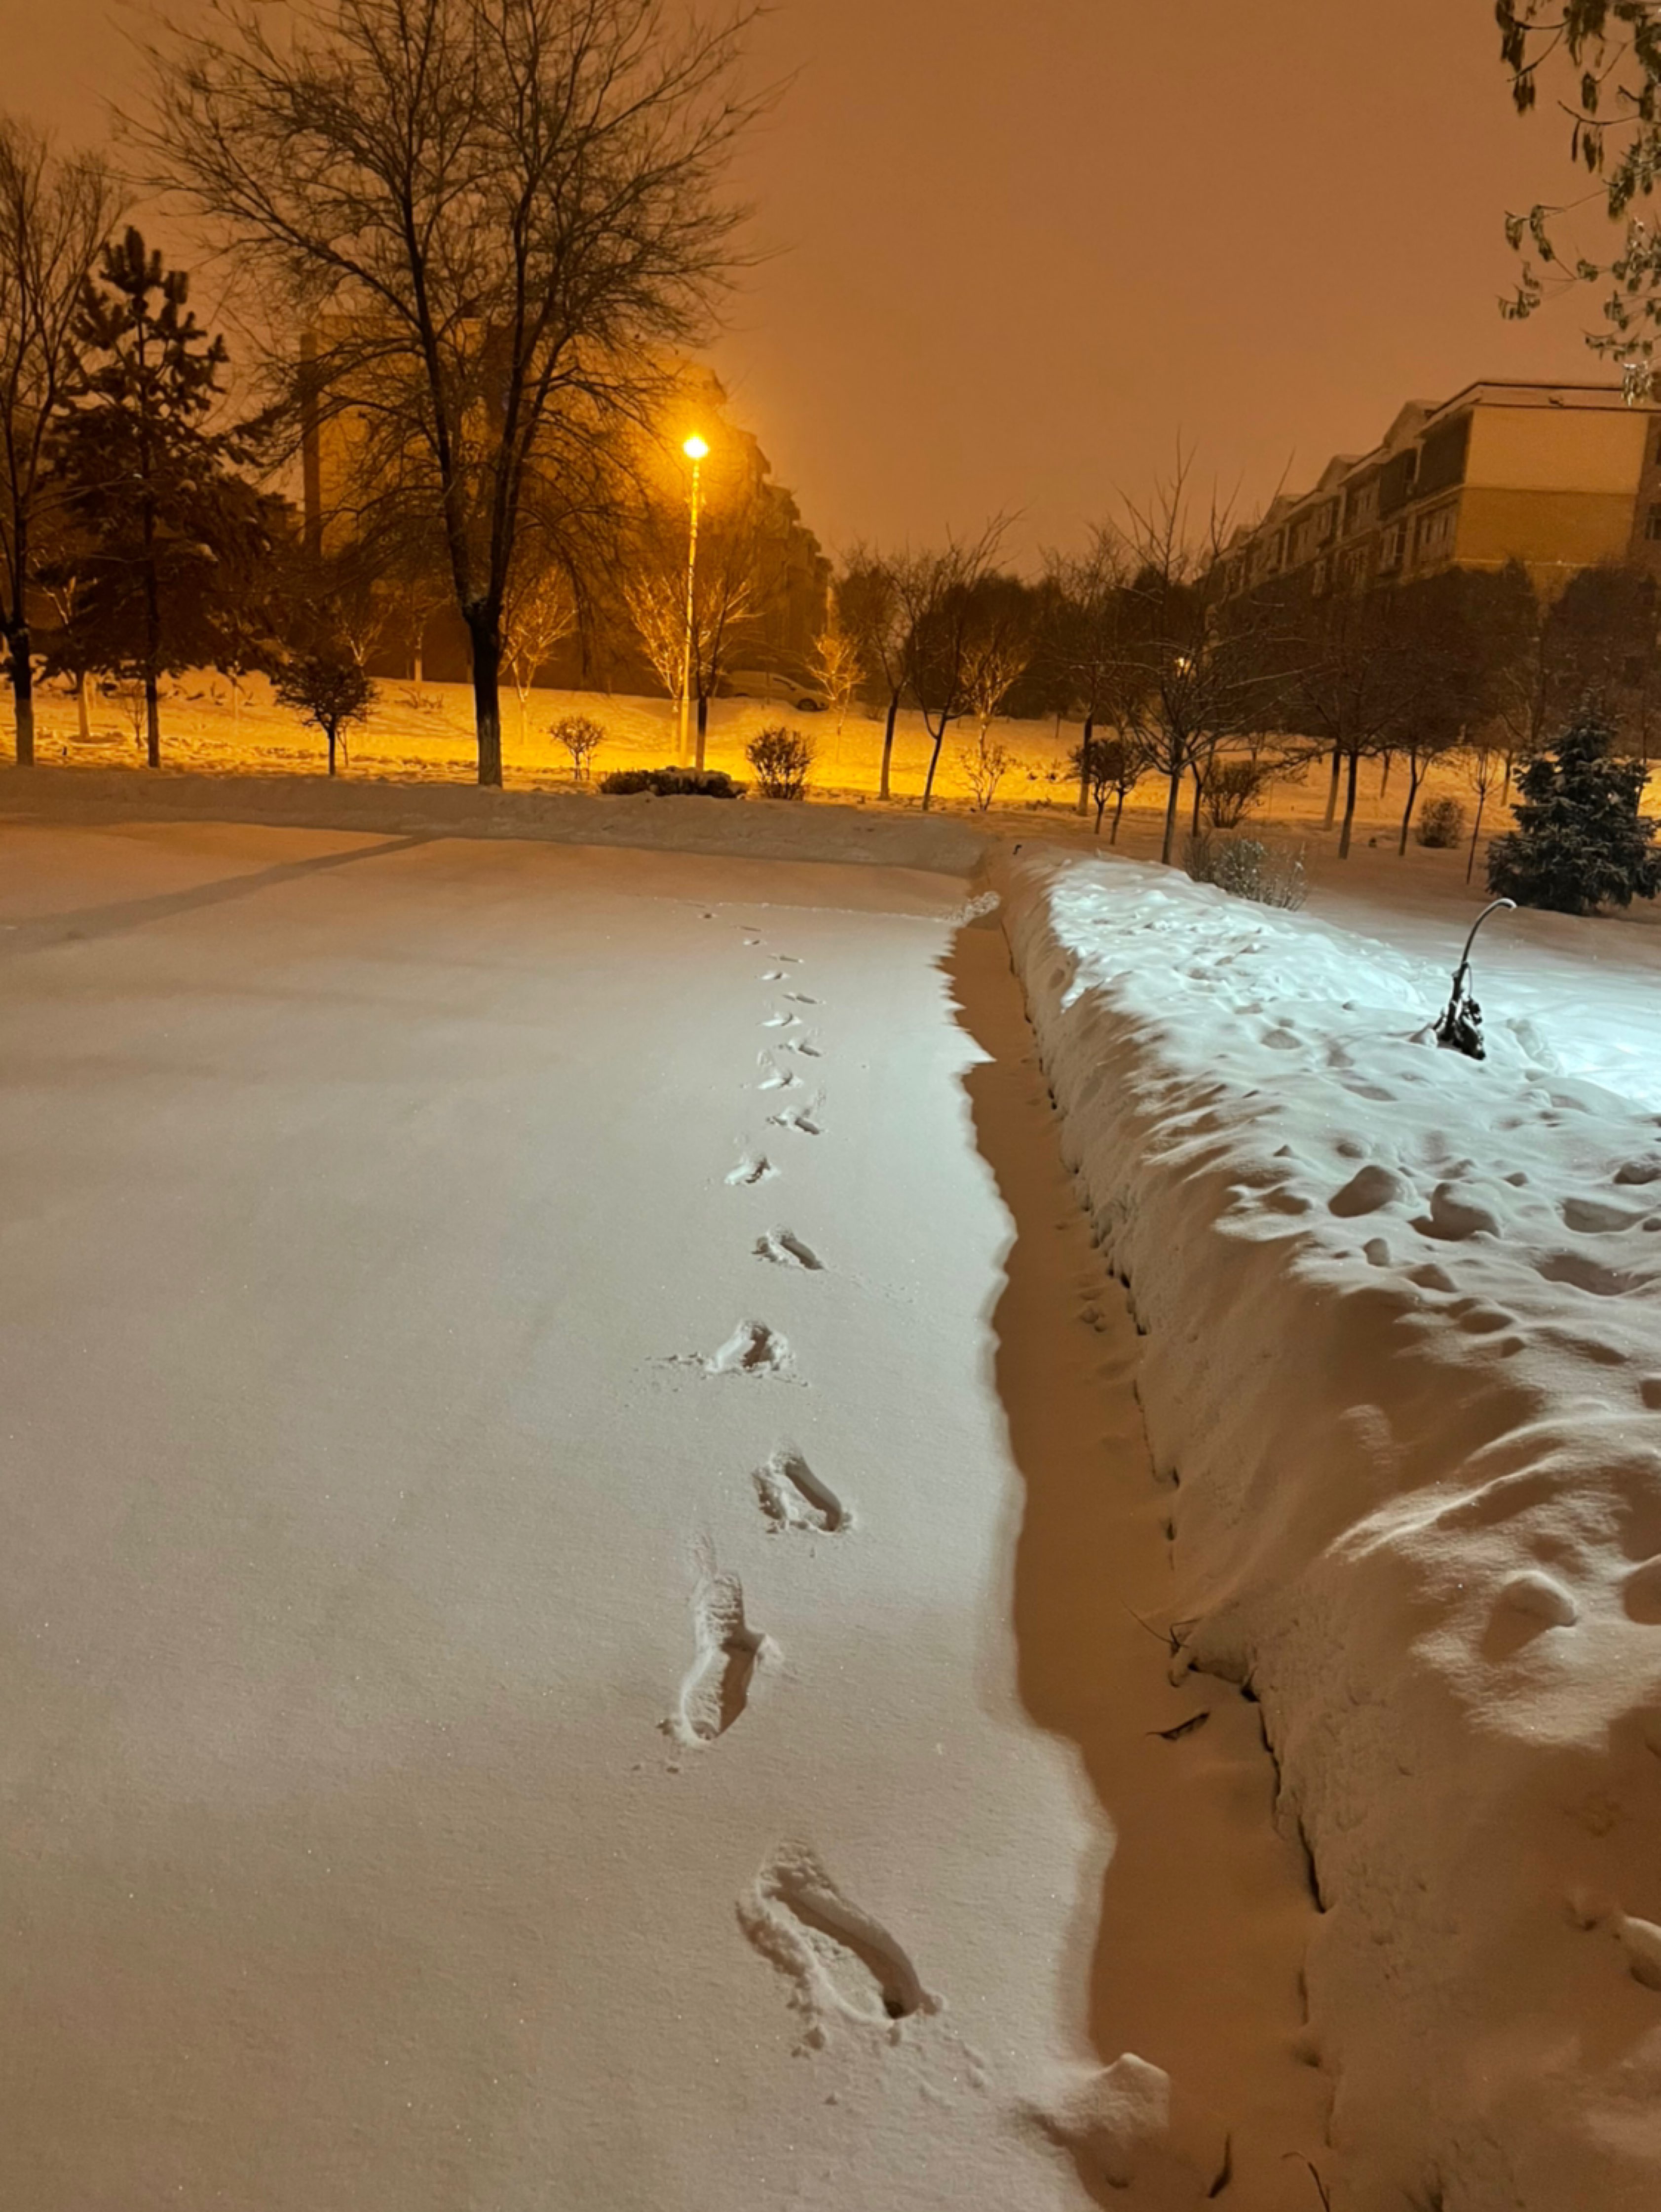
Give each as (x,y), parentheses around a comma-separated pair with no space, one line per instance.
(747,828)
(1403,1363)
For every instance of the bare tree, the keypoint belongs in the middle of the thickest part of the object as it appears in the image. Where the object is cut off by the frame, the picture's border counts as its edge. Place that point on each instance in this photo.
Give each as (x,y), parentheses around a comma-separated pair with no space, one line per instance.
(834,664)
(1002,640)
(56,211)
(539,612)
(937,592)
(1084,640)
(1109,768)
(742,550)
(986,763)
(1192,678)
(495,216)
(871,611)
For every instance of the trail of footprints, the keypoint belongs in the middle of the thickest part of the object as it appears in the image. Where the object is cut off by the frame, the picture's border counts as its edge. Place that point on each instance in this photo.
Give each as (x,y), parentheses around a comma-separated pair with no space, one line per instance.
(838,1961)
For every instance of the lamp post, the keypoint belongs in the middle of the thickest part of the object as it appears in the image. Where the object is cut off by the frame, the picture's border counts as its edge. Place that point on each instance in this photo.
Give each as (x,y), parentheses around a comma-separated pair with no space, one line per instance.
(694,449)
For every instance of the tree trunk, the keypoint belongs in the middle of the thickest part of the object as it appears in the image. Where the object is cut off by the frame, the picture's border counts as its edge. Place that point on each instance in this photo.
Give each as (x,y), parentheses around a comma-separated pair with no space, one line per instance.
(1384,772)
(22,692)
(887,744)
(703,731)
(1118,811)
(83,717)
(1199,793)
(1476,832)
(1084,766)
(331,748)
(1354,753)
(151,720)
(151,642)
(1414,776)
(1332,787)
(485,632)
(1173,798)
(934,761)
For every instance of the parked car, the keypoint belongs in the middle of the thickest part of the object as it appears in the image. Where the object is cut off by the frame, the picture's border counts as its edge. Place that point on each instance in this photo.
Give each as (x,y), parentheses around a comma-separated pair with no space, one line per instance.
(767,684)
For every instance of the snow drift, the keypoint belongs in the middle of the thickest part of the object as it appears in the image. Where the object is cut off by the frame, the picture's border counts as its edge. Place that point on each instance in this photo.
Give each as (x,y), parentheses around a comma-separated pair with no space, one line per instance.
(1404,1373)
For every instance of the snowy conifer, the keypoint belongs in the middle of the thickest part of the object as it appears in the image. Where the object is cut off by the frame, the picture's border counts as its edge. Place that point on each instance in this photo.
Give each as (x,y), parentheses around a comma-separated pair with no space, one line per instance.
(1580,842)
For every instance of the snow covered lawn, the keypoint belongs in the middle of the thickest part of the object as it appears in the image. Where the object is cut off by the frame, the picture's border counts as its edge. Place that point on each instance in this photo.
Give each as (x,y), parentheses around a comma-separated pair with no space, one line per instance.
(1403,1374)
(575,1519)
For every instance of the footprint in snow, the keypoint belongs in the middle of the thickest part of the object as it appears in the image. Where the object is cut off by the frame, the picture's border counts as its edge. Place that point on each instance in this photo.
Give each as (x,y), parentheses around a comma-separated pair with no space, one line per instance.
(727,1653)
(786,1250)
(752,1170)
(752,1349)
(803,1119)
(1587,1218)
(801,998)
(773,1077)
(780,1021)
(838,1959)
(792,1496)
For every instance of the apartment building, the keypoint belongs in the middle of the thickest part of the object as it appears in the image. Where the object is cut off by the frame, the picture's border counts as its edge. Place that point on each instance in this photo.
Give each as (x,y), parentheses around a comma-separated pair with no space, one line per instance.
(1559,477)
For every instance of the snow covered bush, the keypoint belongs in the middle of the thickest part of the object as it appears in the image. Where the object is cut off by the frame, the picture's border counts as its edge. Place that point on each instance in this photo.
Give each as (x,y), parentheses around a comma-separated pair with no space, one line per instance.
(781,758)
(1580,842)
(672,782)
(1248,868)
(582,737)
(1441,823)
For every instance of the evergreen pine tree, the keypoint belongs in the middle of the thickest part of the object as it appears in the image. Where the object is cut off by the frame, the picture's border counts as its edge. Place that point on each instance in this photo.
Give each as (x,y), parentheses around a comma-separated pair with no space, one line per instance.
(1580,842)
(148,480)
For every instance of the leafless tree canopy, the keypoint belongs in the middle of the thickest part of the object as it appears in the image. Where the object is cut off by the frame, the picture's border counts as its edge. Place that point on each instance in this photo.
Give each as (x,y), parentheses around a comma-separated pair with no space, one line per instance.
(939,596)
(55,214)
(494,218)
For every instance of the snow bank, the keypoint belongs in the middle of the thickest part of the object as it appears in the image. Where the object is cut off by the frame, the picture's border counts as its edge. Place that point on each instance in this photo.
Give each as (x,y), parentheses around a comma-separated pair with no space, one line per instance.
(757,828)
(1404,1373)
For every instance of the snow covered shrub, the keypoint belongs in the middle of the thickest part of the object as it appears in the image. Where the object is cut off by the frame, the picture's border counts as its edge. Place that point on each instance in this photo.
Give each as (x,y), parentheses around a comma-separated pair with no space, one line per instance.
(1441,823)
(985,763)
(1248,868)
(672,782)
(1579,841)
(1232,790)
(582,737)
(781,759)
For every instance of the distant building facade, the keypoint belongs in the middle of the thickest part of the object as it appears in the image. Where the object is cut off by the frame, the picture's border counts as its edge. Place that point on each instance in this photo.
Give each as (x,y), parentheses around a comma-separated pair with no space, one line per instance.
(1559,477)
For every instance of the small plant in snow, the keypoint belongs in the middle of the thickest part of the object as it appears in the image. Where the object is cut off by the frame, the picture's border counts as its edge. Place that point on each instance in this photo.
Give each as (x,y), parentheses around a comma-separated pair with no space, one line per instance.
(1248,868)
(985,763)
(582,737)
(1441,823)
(781,759)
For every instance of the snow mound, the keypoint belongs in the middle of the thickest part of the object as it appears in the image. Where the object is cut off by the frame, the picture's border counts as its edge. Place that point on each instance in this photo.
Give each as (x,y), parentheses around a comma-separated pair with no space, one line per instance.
(1402,1370)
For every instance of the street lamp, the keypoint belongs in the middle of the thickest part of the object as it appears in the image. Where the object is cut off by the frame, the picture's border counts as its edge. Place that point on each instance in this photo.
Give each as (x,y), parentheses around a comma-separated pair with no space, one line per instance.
(694,449)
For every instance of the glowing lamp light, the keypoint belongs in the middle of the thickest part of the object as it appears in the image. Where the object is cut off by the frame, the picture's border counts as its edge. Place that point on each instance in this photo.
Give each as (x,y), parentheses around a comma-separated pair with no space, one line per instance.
(694,448)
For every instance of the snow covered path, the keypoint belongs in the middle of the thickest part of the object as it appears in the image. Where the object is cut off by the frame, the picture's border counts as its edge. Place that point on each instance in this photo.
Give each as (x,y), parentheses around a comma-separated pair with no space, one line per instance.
(567,1631)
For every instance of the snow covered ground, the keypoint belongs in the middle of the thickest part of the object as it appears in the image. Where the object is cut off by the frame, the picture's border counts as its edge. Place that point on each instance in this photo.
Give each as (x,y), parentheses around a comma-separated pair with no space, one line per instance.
(1403,1373)
(577,1538)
